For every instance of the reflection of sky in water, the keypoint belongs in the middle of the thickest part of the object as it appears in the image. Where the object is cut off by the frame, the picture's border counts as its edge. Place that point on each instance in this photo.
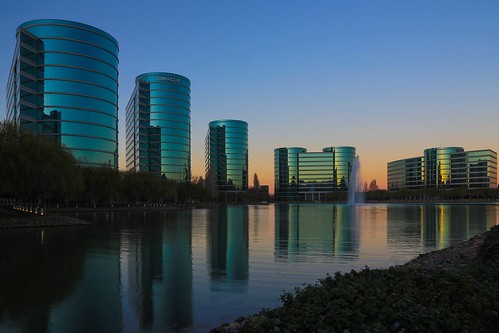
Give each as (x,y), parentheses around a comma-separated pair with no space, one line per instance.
(161,271)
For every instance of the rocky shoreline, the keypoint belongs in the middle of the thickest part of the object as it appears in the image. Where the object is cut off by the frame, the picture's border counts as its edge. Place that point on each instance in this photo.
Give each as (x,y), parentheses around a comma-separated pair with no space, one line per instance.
(457,258)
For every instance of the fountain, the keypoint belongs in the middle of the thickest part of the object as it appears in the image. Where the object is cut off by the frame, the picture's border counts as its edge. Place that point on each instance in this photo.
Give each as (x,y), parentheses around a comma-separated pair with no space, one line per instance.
(355,194)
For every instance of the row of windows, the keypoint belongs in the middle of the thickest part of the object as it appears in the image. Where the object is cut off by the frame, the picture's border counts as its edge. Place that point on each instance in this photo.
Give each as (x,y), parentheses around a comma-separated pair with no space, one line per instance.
(165,116)
(72,32)
(161,101)
(56,100)
(76,142)
(167,149)
(94,157)
(71,46)
(145,107)
(81,129)
(76,74)
(71,87)
(164,139)
(220,131)
(75,115)
(178,95)
(74,60)
(60,100)
(149,89)
(171,162)
(185,127)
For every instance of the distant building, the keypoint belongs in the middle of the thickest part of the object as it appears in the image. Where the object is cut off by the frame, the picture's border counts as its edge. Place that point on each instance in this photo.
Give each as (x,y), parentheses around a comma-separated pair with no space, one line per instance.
(63,84)
(448,167)
(264,189)
(227,156)
(302,175)
(158,126)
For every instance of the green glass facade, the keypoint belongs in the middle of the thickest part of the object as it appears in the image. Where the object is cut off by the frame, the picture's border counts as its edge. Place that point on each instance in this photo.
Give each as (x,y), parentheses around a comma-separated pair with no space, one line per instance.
(447,167)
(227,156)
(438,166)
(63,84)
(158,126)
(286,173)
(408,173)
(302,175)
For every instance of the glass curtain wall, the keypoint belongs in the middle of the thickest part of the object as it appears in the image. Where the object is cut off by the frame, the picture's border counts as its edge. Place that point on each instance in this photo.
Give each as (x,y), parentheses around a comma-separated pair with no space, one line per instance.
(227,156)
(449,167)
(286,177)
(158,126)
(63,84)
(302,175)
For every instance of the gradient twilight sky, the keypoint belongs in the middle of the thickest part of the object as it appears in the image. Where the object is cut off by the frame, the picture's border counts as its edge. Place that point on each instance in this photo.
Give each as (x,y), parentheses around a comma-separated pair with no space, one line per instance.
(388,77)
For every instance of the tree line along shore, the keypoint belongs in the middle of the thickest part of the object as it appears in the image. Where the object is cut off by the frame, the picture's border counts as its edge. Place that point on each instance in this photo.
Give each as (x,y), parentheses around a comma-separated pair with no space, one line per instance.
(37,171)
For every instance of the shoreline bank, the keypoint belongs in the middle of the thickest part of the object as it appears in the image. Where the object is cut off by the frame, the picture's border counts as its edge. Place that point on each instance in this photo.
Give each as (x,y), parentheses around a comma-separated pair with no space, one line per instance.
(10,219)
(451,290)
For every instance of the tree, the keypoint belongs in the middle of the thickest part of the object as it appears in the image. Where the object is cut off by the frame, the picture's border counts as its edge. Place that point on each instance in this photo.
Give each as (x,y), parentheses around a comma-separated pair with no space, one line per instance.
(365,189)
(35,168)
(373,186)
(256,182)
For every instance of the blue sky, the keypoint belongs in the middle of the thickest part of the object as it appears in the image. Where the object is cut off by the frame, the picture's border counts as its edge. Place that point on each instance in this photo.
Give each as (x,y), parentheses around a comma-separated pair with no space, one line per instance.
(388,77)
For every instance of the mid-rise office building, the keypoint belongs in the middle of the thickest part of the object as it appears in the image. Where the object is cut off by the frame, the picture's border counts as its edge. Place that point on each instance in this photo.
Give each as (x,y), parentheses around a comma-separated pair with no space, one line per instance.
(302,175)
(63,84)
(227,156)
(158,126)
(447,167)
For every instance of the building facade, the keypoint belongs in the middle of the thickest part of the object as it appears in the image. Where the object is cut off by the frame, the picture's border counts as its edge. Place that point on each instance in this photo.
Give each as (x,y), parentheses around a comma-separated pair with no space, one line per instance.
(302,175)
(63,84)
(227,156)
(158,126)
(447,167)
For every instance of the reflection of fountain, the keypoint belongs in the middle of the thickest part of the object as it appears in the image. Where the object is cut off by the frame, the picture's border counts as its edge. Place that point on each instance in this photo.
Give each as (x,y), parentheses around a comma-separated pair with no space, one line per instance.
(355,194)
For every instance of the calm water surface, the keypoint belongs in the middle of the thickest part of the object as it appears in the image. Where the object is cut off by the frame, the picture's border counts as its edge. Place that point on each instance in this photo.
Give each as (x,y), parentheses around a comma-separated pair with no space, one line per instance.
(190,270)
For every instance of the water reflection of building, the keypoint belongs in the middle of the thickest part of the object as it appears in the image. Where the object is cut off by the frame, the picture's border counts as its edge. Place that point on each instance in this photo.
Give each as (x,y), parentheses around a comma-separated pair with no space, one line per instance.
(228,245)
(156,272)
(315,233)
(94,306)
(427,227)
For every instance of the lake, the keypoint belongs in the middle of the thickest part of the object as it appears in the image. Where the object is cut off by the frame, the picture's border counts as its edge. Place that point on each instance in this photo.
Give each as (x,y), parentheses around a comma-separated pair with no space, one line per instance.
(190,270)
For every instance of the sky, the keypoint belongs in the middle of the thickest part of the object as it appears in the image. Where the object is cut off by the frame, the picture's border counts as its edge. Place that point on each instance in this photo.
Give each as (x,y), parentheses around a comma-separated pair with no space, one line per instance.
(390,78)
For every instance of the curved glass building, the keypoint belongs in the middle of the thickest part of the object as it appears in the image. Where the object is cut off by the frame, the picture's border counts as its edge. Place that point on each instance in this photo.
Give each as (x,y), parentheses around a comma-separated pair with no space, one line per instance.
(444,167)
(158,126)
(438,163)
(227,156)
(302,175)
(63,83)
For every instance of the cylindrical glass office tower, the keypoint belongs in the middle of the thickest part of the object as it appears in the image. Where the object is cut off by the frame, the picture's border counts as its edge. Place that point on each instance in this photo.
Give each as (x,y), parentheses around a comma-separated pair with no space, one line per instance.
(227,156)
(158,126)
(286,173)
(343,157)
(64,84)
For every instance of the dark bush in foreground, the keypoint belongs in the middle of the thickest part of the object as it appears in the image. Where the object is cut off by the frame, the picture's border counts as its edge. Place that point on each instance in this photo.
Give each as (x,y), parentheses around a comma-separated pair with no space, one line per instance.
(397,299)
